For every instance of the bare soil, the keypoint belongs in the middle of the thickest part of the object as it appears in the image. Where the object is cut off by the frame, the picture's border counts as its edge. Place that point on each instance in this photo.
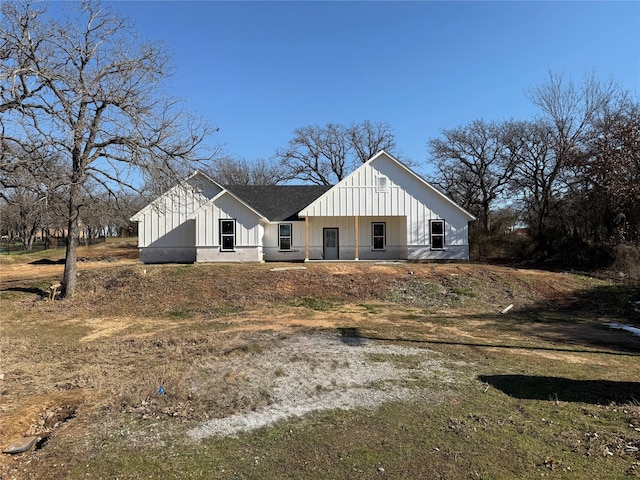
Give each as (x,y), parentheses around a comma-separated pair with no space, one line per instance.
(227,342)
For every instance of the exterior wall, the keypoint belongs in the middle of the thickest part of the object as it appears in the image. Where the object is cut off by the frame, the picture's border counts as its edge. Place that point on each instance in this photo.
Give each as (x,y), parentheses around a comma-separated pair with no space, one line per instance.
(450,252)
(168,255)
(183,224)
(396,238)
(396,247)
(177,246)
(270,243)
(161,223)
(248,235)
(249,231)
(404,196)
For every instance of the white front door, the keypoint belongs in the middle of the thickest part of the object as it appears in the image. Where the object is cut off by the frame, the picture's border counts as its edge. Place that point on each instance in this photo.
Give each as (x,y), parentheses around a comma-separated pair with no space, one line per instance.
(330,244)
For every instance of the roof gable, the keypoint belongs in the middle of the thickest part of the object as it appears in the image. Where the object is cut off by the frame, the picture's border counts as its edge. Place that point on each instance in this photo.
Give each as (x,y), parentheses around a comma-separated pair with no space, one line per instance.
(198,184)
(361,177)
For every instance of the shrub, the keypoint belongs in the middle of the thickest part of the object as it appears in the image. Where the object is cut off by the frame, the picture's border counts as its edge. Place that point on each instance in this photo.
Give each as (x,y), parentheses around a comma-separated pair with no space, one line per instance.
(627,260)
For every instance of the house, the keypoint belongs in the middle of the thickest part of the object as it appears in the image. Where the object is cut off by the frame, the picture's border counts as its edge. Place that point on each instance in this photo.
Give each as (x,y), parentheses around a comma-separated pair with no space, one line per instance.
(381,211)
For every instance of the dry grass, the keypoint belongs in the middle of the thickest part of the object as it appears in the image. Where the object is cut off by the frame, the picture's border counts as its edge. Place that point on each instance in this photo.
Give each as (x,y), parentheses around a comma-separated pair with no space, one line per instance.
(86,372)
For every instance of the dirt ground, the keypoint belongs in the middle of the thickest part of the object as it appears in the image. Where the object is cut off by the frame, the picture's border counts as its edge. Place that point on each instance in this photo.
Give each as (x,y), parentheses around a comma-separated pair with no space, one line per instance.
(100,256)
(71,367)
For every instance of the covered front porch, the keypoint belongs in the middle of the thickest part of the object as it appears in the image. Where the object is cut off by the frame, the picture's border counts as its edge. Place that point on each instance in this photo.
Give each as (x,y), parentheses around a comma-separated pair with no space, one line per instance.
(356,238)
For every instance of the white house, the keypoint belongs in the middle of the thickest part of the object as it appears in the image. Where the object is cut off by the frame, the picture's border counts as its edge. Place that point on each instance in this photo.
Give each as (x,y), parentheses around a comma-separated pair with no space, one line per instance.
(381,211)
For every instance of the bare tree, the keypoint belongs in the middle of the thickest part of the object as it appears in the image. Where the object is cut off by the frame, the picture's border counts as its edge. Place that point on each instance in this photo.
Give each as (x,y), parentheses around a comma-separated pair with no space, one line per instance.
(551,146)
(571,109)
(237,171)
(611,174)
(88,89)
(317,154)
(368,138)
(105,215)
(24,215)
(473,166)
(325,155)
(31,190)
(539,178)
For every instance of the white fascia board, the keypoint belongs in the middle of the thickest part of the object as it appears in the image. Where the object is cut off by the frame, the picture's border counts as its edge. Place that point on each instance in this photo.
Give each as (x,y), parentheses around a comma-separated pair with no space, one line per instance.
(433,189)
(195,212)
(146,208)
(312,204)
(220,195)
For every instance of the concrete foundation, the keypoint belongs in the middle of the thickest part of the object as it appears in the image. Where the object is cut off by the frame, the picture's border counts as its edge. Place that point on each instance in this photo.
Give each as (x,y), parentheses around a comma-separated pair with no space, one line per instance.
(168,255)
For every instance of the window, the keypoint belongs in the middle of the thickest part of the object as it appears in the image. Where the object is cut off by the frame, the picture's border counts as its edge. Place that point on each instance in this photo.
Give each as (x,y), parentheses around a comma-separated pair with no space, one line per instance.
(382,184)
(379,233)
(437,234)
(285,235)
(227,235)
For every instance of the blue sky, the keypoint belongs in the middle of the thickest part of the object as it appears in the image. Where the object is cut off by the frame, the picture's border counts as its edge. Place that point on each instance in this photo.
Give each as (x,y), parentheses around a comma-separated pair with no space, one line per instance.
(258,70)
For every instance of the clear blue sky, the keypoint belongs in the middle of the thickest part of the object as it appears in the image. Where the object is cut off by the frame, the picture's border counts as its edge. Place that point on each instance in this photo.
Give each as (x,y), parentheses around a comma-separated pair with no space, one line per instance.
(258,70)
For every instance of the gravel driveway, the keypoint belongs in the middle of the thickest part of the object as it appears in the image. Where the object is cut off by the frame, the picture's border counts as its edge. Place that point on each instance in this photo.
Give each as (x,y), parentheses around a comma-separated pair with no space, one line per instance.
(318,372)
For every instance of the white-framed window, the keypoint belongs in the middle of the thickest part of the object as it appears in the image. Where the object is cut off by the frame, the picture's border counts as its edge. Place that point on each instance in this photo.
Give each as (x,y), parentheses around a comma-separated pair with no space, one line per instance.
(285,236)
(379,235)
(227,235)
(436,233)
(382,184)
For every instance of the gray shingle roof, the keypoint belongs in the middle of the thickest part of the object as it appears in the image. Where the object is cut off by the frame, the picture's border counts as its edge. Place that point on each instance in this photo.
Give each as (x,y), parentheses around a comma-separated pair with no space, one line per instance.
(278,202)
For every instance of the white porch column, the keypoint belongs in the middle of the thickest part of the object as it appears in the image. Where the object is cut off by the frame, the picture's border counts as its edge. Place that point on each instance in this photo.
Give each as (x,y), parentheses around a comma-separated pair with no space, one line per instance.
(356,240)
(306,239)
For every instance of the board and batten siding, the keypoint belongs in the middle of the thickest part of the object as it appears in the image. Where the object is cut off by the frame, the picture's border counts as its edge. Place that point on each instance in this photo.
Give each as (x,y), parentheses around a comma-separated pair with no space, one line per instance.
(272,252)
(225,207)
(248,231)
(405,195)
(183,224)
(163,222)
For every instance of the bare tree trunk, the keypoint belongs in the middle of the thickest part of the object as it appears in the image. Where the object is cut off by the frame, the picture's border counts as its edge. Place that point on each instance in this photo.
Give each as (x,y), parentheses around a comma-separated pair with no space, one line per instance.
(70,266)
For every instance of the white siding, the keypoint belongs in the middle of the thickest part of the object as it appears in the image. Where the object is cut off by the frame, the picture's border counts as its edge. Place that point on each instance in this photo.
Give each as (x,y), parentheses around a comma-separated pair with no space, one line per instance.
(183,224)
(396,246)
(270,241)
(162,223)
(249,231)
(358,194)
(406,196)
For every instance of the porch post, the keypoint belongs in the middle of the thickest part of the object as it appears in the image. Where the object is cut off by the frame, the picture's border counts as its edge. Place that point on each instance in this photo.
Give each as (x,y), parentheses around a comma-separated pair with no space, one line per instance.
(357,249)
(306,239)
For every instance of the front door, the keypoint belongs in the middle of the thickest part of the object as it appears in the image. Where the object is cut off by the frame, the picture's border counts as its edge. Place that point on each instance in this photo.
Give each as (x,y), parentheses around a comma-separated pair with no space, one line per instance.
(330,243)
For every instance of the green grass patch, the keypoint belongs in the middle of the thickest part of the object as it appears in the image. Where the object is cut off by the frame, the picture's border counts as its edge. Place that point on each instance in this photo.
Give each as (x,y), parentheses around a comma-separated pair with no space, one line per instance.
(42,285)
(12,295)
(402,361)
(428,294)
(180,270)
(464,291)
(180,313)
(372,309)
(314,303)
(527,280)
